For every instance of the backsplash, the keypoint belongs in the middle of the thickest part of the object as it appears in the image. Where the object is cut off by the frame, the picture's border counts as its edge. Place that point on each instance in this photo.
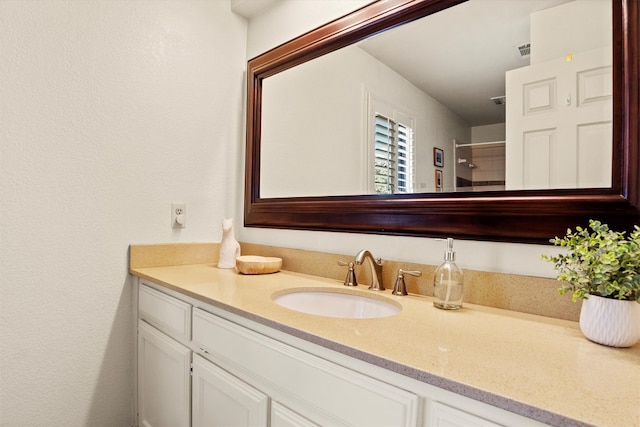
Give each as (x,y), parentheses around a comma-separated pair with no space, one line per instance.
(526,294)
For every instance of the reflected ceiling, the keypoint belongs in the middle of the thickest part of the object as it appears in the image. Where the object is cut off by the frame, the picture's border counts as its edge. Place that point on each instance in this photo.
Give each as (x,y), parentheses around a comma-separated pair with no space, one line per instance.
(461,35)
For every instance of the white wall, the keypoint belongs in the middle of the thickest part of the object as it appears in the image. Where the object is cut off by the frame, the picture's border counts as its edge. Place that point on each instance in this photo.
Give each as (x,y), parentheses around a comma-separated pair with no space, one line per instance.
(289,18)
(286,19)
(572,27)
(110,111)
(318,112)
(314,112)
(488,133)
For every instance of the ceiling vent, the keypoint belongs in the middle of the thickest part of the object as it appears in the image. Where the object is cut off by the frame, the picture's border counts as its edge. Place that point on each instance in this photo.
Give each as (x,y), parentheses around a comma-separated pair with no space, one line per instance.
(499,100)
(524,50)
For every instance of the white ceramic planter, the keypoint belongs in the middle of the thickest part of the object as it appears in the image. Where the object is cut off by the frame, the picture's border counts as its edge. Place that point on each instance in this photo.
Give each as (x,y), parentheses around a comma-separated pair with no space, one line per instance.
(610,321)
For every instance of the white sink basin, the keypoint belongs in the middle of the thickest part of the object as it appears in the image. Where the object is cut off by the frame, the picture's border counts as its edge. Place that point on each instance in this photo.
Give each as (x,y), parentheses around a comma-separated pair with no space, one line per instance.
(336,303)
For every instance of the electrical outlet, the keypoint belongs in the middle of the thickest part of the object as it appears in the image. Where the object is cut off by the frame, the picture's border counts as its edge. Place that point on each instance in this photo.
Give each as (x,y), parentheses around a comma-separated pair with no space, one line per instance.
(178,215)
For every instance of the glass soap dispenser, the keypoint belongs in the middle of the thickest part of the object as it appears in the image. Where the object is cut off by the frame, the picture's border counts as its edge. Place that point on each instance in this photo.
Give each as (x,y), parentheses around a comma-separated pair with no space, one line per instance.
(447,282)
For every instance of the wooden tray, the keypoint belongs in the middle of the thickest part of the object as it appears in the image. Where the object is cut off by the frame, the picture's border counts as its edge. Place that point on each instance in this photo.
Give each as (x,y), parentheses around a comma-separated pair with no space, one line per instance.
(253,264)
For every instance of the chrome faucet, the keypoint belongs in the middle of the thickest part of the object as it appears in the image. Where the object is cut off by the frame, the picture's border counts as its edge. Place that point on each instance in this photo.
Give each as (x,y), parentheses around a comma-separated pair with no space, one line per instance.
(376,268)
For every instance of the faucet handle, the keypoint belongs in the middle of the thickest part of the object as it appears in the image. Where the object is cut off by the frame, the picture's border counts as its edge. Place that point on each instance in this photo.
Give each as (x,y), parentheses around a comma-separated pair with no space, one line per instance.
(400,288)
(350,280)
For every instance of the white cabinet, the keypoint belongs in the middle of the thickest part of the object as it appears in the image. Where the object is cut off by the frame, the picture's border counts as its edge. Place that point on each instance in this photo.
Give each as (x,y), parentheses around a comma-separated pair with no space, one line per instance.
(315,388)
(222,400)
(163,379)
(204,366)
(164,360)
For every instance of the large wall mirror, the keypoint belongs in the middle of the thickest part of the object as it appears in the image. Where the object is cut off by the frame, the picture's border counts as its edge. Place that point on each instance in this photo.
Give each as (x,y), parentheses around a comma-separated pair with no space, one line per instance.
(490,119)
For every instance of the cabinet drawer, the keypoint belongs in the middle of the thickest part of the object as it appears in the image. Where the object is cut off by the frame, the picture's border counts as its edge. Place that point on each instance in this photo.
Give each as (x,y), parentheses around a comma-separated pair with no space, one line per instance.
(322,391)
(166,313)
(281,416)
(447,416)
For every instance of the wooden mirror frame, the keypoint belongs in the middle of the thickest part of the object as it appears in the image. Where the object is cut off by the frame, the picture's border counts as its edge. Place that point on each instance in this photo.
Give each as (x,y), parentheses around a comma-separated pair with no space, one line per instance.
(530,216)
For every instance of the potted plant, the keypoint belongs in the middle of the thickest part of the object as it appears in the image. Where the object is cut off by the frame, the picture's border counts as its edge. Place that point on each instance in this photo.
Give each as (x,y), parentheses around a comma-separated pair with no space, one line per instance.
(602,268)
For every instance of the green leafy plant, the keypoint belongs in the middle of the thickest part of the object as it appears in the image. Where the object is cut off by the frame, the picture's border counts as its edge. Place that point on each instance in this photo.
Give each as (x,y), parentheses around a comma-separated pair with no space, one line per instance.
(599,262)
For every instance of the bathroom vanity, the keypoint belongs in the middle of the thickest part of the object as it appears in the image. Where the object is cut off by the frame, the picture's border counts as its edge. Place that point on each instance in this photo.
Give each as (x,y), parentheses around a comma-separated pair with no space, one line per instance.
(215,349)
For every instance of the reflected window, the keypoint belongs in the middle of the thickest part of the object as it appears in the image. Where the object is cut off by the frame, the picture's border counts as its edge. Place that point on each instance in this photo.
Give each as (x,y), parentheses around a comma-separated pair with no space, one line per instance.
(393,156)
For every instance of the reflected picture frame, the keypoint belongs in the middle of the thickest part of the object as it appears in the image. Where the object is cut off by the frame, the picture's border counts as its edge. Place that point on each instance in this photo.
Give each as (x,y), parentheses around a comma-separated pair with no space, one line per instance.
(438,157)
(438,179)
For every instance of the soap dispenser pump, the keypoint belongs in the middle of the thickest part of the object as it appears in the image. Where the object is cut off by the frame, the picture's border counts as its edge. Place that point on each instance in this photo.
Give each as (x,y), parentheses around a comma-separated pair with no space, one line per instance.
(448,282)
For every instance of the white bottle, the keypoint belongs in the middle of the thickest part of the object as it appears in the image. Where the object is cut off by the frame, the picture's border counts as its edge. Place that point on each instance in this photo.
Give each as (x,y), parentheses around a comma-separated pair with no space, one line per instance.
(448,282)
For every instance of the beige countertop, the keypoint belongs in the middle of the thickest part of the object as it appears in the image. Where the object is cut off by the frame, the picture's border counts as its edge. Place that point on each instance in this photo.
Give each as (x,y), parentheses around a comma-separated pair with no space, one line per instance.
(539,367)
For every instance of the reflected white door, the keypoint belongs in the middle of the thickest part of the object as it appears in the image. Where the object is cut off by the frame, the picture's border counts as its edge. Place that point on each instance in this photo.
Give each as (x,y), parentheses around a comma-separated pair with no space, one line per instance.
(558,123)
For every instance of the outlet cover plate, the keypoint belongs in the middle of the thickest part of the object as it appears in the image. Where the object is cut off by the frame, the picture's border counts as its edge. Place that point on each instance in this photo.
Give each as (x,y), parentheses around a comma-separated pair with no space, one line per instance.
(178,215)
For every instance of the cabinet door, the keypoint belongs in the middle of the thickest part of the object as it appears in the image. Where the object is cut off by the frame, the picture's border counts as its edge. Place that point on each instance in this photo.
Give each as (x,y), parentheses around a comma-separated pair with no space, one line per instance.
(163,379)
(220,399)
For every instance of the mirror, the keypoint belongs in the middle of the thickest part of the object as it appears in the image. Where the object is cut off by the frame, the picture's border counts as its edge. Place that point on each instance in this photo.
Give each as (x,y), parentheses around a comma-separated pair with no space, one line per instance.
(513,215)
(450,95)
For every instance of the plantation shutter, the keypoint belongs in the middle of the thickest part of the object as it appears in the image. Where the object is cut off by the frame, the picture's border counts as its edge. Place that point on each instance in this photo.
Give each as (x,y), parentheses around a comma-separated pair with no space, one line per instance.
(384,155)
(406,159)
(394,159)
